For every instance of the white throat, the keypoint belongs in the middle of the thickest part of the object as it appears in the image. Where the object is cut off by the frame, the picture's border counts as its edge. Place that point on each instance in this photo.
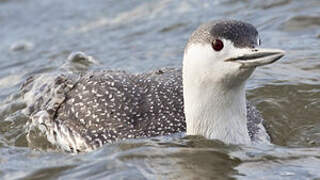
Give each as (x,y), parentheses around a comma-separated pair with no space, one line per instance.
(215,107)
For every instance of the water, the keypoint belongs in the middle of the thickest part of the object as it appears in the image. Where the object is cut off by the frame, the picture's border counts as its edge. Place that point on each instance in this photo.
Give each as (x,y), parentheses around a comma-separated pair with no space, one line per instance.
(37,36)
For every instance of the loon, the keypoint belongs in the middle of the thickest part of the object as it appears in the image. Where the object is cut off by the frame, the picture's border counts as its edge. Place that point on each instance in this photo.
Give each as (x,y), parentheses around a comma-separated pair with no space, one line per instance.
(81,112)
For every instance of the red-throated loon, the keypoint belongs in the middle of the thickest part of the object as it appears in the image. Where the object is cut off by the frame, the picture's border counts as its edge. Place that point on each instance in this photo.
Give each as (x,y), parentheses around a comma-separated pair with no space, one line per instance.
(207,97)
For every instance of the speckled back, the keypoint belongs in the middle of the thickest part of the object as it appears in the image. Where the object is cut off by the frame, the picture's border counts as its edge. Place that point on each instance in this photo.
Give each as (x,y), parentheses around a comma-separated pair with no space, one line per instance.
(111,105)
(106,106)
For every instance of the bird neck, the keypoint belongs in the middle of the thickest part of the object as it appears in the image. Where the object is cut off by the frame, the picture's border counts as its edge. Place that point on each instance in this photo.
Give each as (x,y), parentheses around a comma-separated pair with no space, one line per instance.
(214,110)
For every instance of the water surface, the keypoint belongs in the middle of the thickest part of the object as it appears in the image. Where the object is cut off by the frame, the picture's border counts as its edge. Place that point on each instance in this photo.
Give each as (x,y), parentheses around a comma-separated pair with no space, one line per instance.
(139,35)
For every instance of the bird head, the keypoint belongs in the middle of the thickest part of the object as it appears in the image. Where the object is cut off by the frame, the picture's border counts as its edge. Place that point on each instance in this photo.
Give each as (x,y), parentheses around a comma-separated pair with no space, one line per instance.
(225,52)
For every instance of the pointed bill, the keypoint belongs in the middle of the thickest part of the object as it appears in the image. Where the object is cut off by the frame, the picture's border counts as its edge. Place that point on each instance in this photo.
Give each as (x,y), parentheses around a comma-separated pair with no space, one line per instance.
(257,57)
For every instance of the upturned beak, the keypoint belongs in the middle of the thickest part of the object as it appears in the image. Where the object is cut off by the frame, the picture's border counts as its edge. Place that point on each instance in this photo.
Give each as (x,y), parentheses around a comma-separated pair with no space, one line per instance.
(257,57)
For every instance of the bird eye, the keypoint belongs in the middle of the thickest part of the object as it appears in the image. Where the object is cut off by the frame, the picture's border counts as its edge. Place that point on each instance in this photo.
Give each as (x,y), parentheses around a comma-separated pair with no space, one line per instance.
(217,45)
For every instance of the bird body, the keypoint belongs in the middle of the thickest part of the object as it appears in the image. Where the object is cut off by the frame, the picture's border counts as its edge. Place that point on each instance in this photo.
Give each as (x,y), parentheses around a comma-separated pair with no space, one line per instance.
(207,97)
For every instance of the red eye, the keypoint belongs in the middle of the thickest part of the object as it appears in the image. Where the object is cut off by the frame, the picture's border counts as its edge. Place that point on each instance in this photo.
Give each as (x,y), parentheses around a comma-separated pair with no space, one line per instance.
(217,44)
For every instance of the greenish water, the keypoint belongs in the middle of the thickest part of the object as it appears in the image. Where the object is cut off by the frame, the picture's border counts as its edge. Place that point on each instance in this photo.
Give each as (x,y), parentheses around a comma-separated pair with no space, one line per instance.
(37,36)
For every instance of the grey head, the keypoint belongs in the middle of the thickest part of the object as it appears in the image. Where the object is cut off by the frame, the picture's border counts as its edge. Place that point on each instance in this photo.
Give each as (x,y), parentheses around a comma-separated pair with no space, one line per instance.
(231,42)
(242,34)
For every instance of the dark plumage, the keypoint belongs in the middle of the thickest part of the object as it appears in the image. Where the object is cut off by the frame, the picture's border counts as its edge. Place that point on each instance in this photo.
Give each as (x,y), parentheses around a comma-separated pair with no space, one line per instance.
(108,105)
(240,33)
(105,106)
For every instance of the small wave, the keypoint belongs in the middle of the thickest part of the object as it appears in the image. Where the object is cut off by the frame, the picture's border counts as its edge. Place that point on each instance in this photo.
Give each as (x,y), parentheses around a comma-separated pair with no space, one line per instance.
(301,23)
